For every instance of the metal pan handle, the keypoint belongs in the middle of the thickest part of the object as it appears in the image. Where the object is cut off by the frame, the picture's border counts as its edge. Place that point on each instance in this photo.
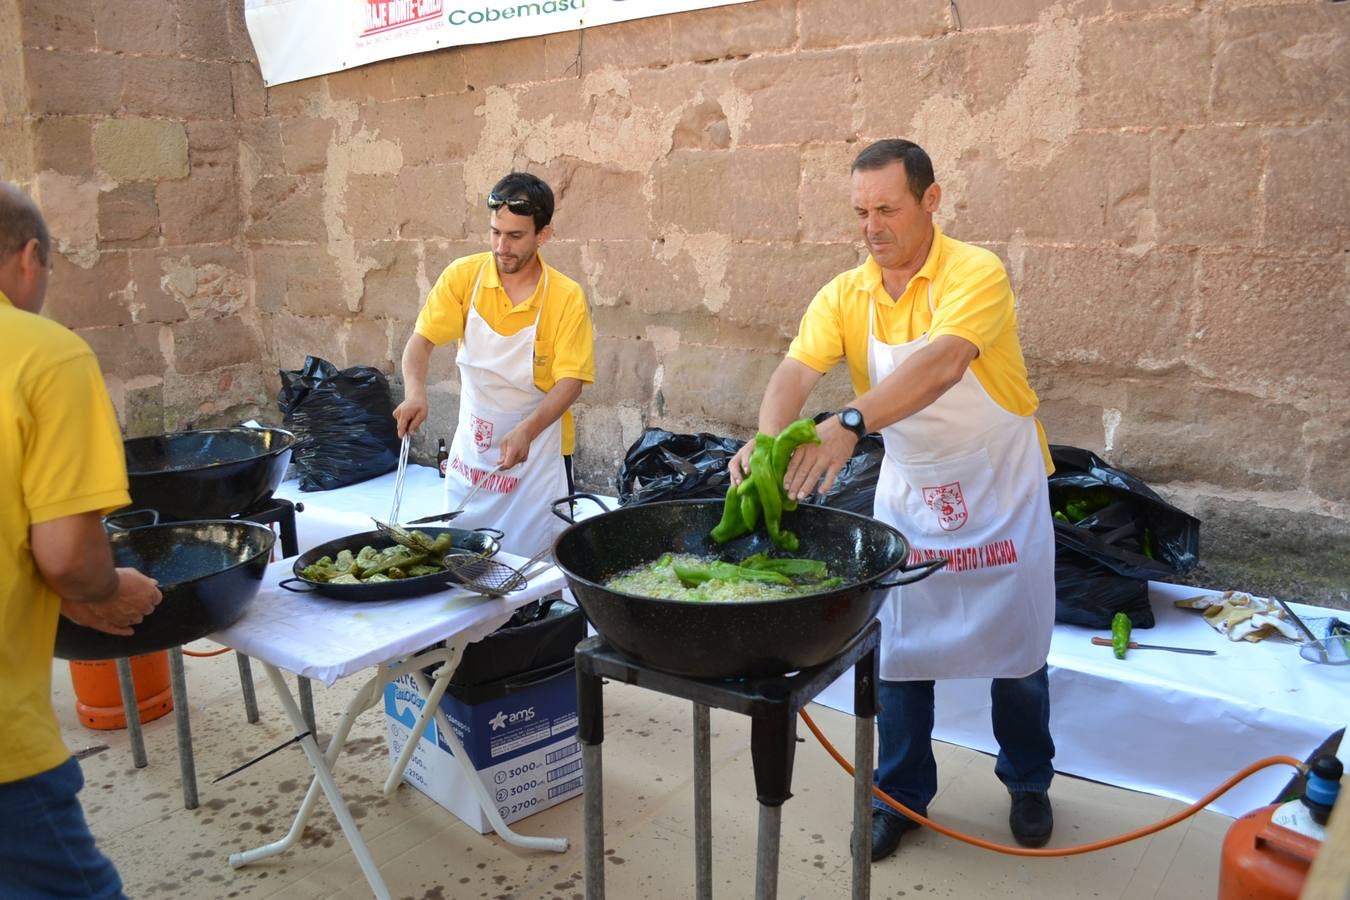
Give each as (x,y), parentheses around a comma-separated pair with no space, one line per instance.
(290,585)
(494,536)
(917,573)
(112,521)
(569,517)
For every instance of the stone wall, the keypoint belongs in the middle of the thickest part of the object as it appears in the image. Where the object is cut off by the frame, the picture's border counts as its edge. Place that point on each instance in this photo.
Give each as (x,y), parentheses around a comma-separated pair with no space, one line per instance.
(1165,180)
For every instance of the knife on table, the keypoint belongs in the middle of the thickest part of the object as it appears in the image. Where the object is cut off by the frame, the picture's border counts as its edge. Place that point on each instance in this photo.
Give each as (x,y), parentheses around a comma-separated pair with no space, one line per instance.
(1134,645)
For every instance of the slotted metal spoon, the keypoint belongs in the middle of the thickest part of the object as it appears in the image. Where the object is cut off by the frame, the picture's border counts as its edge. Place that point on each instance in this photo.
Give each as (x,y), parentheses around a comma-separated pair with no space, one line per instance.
(491,577)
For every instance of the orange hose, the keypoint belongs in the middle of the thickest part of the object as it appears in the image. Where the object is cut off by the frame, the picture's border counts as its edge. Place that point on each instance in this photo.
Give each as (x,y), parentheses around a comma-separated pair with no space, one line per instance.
(1056,851)
(206,653)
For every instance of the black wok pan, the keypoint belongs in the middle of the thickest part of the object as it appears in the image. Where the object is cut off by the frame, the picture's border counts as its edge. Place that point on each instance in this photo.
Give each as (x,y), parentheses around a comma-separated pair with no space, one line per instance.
(482,541)
(209,573)
(727,640)
(208,474)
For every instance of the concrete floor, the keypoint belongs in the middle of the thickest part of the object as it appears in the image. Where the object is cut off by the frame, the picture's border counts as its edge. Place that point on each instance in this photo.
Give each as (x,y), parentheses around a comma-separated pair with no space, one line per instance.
(164,850)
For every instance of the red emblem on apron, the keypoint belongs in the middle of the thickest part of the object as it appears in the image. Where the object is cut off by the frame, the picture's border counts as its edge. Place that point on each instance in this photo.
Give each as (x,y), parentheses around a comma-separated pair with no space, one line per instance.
(948,504)
(482,433)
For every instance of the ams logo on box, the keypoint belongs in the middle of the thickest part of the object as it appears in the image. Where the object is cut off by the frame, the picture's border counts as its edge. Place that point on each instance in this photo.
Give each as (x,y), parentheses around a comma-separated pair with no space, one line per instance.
(501,719)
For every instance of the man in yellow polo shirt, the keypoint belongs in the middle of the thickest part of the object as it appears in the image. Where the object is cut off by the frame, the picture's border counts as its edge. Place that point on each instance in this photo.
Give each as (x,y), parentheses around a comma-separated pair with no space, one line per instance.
(61,469)
(525,350)
(928,328)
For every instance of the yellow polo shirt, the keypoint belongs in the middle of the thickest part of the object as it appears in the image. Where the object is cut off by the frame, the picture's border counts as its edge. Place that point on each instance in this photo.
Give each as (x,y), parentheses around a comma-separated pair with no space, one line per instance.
(972,299)
(563,344)
(60,455)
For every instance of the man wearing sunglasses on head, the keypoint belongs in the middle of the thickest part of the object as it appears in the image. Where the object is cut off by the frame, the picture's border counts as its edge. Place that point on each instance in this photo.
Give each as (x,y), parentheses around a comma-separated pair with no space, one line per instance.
(525,350)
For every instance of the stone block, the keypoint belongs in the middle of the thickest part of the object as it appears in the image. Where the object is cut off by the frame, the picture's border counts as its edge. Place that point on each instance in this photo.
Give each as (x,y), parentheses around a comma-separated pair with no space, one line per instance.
(142,410)
(703,125)
(426,74)
(793,100)
(204,29)
(431,201)
(831,23)
(824,204)
(201,209)
(594,202)
(664,287)
(439,254)
(1306,190)
(137,26)
(625,372)
(1328,476)
(1107,308)
(364,84)
(293,337)
(1094,188)
(89,297)
(261,151)
(208,281)
(16,152)
(770,286)
(699,191)
(1282,64)
(156,299)
(1206,186)
(68,25)
(366,343)
(428,129)
(247,89)
(286,208)
(70,206)
(236,26)
(1152,72)
(635,44)
(219,397)
(63,144)
(501,63)
(128,216)
(72,84)
(391,288)
(305,143)
(372,208)
(1273,325)
(732,31)
(885,111)
(311,280)
(213,146)
(562,56)
(127,149)
(127,351)
(1069,420)
(295,98)
(972,14)
(714,383)
(204,345)
(178,88)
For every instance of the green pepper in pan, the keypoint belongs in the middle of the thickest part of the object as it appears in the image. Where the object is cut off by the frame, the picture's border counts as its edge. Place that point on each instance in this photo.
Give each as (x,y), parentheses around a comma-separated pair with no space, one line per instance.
(802,431)
(732,525)
(1120,634)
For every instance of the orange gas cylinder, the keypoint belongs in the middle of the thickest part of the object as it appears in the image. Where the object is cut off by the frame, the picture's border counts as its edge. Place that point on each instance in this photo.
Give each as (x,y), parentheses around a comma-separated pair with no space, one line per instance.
(1263,860)
(98,699)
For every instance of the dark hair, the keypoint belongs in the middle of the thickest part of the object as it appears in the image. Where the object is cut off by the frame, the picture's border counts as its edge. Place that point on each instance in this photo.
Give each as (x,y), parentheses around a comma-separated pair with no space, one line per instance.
(20,222)
(530,187)
(918,167)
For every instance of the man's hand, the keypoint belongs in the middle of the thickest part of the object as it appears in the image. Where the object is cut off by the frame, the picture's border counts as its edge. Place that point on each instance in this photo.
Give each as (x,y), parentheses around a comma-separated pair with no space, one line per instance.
(135,598)
(819,463)
(410,414)
(515,447)
(738,467)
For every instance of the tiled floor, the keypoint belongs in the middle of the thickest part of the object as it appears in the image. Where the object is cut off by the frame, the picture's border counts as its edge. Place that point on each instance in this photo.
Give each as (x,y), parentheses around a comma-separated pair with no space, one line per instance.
(166,851)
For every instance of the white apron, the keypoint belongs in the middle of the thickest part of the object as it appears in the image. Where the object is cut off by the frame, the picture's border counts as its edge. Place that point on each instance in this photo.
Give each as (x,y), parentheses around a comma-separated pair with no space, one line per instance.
(964,478)
(497,392)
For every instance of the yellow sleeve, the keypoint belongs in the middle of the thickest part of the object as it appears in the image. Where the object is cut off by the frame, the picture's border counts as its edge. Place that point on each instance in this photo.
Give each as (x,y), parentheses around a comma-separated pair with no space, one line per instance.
(442,317)
(975,302)
(74,461)
(820,337)
(574,343)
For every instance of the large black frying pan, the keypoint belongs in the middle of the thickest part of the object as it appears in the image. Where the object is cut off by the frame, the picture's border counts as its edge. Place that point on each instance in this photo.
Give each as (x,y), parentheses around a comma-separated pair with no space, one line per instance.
(483,541)
(209,573)
(209,474)
(730,640)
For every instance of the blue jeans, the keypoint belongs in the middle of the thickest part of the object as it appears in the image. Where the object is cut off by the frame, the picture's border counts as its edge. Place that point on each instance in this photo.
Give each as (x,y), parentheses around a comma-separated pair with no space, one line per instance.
(46,848)
(1021,715)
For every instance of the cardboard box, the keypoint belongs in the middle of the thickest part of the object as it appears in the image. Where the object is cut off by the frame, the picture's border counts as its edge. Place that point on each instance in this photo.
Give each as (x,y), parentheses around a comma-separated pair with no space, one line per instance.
(522,743)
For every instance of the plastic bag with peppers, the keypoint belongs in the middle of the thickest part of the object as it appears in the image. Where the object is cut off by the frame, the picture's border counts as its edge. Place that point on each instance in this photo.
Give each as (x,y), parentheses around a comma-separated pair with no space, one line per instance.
(762,493)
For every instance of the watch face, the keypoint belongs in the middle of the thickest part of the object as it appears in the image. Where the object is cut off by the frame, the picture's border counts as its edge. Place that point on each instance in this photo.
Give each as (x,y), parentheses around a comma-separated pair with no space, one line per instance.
(851,418)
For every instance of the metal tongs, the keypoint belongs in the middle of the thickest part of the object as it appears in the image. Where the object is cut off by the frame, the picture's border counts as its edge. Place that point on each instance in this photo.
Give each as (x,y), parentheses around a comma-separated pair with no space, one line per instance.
(391,529)
(1315,649)
(447,516)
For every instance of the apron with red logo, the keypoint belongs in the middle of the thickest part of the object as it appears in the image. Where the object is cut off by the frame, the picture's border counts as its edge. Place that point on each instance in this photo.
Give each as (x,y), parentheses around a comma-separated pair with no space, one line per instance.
(964,478)
(497,392)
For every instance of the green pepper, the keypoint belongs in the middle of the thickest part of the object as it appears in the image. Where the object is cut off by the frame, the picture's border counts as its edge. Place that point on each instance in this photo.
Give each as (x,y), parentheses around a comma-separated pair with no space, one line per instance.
(769,487)
(724,571)
(802,431)
(732,524)
(692,576)
(1120,634)
(812,569)
(749,507)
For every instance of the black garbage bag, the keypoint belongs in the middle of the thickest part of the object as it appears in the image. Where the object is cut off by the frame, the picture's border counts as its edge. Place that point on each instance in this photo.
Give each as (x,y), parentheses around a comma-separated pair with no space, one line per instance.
(661,465)
(1113,534)
(343,422)
(536,643)
(855,486)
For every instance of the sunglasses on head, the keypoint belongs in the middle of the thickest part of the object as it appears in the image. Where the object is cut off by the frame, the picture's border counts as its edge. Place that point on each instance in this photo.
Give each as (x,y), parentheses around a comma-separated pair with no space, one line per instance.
(518,205)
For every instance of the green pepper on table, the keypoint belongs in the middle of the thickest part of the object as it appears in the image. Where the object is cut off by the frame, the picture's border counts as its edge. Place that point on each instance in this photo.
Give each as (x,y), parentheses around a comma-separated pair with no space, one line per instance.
(1120,634)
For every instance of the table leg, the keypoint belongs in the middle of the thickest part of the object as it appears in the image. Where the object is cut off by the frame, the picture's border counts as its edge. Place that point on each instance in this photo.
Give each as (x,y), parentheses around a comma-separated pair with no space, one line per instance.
(187,766)
(323,780)
(862,808)
(307,704)
(246,685)
(448,657)
(591,733)
(766,856)
(127,685)
(702,803)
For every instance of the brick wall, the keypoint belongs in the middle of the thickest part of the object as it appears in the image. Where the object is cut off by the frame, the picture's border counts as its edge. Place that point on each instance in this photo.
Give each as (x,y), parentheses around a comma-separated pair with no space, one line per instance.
(1165,181)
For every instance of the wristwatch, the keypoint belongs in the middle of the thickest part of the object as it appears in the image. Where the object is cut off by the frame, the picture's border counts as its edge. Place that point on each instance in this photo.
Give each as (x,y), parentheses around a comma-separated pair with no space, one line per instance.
(851,419)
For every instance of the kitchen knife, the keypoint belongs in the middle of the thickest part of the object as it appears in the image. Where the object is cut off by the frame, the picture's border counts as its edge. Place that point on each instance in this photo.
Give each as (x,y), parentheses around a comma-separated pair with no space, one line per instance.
(1106,642)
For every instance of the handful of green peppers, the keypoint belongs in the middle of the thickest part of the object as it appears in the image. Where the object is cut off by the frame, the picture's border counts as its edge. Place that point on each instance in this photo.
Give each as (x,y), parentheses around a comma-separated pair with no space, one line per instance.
(762,492)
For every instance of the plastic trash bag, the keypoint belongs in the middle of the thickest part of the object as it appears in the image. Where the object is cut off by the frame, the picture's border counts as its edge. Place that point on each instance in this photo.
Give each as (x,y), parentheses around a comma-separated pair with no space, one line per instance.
(661,465)
(538,641)
(1090,595)
(343,422)
(855,486)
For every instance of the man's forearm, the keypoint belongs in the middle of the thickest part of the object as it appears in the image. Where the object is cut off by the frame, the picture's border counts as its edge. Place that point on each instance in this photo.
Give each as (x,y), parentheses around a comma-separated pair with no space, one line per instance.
(74,559)
(786,393)
(557,401)
(416,360)
(920,380)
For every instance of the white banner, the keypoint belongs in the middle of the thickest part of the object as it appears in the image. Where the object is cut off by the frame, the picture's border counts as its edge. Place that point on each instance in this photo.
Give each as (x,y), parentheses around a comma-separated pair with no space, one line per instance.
(298,39)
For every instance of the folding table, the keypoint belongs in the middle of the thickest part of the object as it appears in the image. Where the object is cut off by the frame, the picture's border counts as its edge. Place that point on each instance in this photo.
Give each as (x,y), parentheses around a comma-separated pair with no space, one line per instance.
(326,639)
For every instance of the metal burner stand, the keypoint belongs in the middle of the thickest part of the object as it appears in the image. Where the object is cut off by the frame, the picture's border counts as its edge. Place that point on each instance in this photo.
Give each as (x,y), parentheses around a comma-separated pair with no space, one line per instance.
(772,704)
